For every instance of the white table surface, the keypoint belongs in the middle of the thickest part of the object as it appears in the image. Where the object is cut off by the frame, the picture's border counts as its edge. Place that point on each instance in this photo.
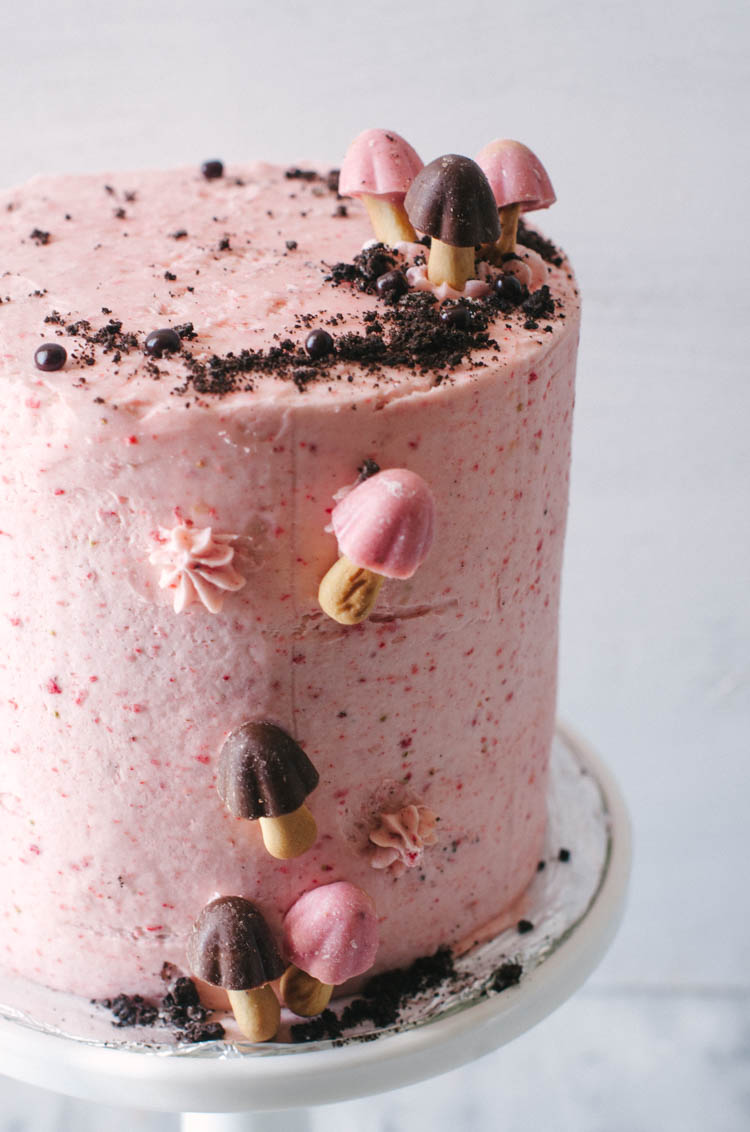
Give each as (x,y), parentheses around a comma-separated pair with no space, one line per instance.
(640,113)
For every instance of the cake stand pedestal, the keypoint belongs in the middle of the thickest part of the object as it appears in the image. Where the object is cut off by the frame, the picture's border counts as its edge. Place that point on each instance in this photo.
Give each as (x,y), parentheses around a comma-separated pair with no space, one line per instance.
(576,907)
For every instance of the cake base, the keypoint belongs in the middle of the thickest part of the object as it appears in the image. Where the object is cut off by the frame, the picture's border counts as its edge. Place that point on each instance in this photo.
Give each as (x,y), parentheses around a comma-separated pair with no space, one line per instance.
(574,905)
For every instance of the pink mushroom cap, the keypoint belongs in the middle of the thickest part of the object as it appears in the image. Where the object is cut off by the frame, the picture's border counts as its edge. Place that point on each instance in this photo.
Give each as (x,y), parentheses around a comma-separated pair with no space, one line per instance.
(379,163)
(516,175)
(386,524)
(331,932)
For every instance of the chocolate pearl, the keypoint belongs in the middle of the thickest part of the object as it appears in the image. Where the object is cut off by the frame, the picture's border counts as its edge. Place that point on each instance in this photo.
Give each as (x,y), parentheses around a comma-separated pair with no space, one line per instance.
(50,356)
(391,284)
(212,169)
(161,342)
(319,344)
(456,317)
(509,288)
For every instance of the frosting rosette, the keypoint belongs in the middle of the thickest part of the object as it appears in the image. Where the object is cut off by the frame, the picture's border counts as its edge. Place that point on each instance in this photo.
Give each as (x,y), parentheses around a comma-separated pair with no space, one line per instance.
(198,565)
(398,840)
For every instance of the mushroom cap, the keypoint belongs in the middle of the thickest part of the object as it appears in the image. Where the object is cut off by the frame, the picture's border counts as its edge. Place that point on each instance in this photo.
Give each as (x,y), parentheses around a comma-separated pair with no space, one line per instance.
(516,175)
(451,200)
(386,523)
(231,946)
(262,772)
(331,932)
(379,163)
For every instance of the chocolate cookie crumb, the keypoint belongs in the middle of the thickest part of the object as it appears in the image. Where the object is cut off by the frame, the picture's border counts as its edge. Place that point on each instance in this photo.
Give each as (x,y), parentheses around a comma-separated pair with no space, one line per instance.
(130,1010)
(326,1025)
(539,244)
(366,469)
(384,995)
(524,926)
(564,855)
(39,237)
(508,975)
(539,304)
(295,174)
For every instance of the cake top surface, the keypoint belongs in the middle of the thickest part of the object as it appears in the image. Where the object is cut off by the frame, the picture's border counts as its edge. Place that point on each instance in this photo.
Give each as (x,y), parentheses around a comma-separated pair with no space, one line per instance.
(243,268)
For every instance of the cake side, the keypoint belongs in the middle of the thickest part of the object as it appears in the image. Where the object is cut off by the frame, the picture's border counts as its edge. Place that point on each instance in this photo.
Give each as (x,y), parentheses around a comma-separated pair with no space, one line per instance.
(115,706)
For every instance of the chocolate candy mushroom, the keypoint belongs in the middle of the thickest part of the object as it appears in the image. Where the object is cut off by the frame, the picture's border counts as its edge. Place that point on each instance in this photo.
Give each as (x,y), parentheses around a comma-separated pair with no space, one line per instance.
(264,776)
(231,947)
(451,201)
(378,168)
(384,527)
(519,183)
(330,935)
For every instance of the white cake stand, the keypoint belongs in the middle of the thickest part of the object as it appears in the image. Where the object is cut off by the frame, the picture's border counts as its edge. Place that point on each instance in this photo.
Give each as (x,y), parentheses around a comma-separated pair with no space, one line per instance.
(225,1086)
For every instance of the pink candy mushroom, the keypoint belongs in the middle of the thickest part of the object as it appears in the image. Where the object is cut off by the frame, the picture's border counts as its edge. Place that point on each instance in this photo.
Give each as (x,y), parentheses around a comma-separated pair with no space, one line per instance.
(384,528)
(520,184)
(379,167)
(330,935)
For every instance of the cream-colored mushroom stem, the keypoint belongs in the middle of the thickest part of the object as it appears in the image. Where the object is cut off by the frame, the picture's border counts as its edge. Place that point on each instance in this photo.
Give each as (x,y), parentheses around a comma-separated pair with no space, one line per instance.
(508,230)
(303,993)
(257,1012)
(389,221)
(289,835)
(450,265)
(348,593)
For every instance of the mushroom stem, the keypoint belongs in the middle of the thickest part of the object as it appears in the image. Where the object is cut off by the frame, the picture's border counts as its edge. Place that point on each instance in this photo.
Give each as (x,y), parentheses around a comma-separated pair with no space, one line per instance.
(447,264)
(348,593)
(257,1012)
(303,993)
(508,230)
(289,835)
(389,221)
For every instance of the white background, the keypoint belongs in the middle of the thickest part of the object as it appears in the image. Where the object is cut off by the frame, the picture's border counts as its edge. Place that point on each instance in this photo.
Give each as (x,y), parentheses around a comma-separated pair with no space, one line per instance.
(640,112)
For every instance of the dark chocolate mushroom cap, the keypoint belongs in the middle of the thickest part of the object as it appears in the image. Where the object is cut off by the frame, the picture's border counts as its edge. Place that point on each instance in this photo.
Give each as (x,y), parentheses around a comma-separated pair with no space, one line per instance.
(232,947)
(451,199)
(263,773)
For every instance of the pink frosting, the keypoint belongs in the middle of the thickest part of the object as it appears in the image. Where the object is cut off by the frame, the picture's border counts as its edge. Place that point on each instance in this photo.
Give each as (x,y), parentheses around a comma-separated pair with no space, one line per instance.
(197,565)
(399,840)
(113,709)
(379,163)
(386,524)
(331,932)
(516,175)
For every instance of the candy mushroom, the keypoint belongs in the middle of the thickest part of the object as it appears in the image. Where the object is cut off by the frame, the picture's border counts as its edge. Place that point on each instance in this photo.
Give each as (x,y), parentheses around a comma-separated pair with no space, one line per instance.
(265,776)
(519,182)
(231,947)
(451,201)
(378,168)
(384,527)
(330,935)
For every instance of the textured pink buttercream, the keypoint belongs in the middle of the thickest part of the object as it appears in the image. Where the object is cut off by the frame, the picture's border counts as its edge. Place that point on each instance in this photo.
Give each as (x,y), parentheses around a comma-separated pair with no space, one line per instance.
(113,707)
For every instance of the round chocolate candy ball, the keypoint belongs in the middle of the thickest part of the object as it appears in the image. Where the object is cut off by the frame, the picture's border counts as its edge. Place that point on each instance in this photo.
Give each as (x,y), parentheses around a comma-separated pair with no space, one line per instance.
(50,356)
(160,342)
(509,289)
(391,285)
(212,169)
(458,318)
(319,344)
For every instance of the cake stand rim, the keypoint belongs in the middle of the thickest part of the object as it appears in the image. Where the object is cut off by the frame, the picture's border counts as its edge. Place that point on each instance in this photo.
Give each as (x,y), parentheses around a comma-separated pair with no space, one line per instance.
(226,1083)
